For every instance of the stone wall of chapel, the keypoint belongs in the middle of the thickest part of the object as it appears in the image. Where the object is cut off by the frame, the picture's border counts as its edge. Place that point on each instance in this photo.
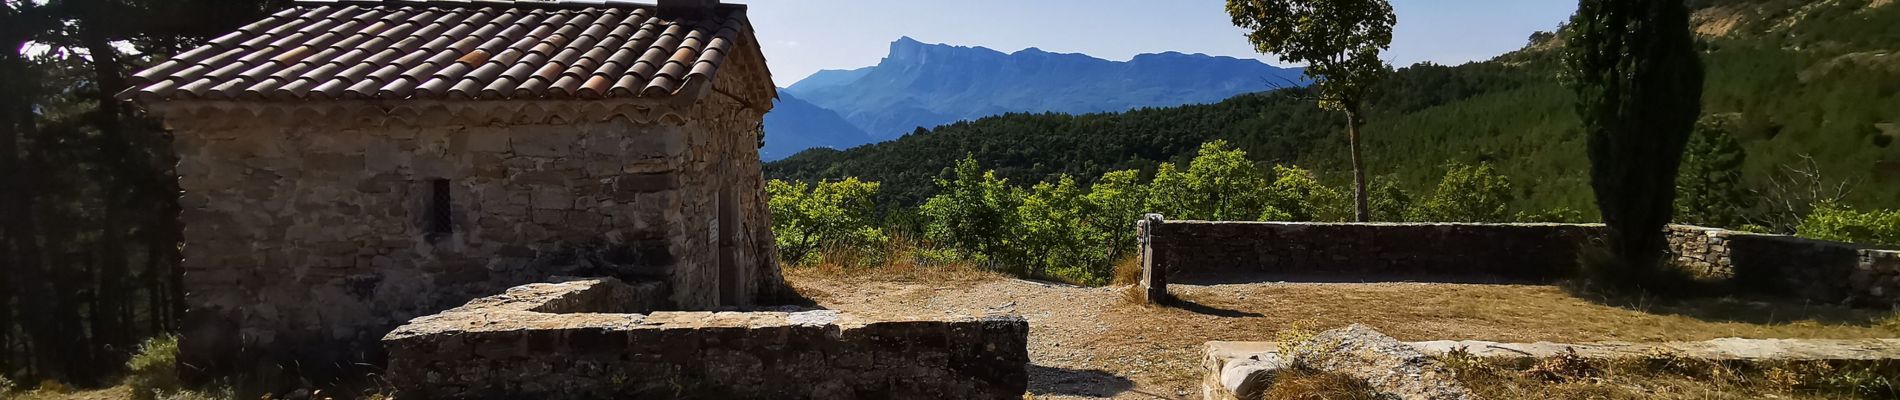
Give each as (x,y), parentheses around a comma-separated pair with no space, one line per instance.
(306,243)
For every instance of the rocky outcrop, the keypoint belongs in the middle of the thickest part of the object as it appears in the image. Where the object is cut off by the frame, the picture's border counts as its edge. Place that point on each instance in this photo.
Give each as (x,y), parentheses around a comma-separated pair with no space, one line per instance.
(1239,370)
(1245,370)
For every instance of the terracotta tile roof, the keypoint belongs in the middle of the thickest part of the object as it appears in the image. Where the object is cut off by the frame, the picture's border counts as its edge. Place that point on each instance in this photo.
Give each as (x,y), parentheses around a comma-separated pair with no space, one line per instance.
(453,50)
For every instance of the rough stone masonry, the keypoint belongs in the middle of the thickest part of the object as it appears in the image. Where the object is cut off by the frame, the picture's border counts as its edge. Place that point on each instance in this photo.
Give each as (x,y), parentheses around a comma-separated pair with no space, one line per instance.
(1814,270)
(588,338)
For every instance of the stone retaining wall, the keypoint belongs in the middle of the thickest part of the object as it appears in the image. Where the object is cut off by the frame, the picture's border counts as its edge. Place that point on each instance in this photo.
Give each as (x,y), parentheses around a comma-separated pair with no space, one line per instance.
(1815,270)
(1802,268)
(541,341)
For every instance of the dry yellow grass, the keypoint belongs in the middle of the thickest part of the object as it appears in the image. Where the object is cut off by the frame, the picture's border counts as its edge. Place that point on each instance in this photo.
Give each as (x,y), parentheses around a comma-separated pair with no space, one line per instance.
(1159,347)
(1667,377)
(1304,384)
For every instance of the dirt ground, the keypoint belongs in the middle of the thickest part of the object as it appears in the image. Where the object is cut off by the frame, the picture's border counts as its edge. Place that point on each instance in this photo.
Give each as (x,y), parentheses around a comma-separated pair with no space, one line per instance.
(1098,343)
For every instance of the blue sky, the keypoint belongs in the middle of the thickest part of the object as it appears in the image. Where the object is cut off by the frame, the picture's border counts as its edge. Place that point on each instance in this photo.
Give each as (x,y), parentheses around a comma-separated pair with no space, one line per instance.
(804,36)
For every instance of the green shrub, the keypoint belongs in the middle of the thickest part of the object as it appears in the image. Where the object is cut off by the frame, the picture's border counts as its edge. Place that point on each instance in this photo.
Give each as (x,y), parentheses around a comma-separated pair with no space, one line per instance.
(1560,214)
(1831,221)
(153,371)
(808,219)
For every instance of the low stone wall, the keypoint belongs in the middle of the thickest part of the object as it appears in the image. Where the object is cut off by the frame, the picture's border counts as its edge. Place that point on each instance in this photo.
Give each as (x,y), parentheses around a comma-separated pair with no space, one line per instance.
(1877,277)
(1818,270)
(548,341)
(1508,251)
(1814,270)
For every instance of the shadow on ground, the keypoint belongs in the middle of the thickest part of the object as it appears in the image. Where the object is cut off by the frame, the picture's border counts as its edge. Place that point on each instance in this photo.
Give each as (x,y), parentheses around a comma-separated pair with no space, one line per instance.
(1718,305)
(1053,381)
(1203,309)
(1243,277)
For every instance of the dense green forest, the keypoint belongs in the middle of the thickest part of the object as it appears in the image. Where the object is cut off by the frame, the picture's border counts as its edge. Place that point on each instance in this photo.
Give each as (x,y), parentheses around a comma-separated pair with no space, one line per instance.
(1807,89)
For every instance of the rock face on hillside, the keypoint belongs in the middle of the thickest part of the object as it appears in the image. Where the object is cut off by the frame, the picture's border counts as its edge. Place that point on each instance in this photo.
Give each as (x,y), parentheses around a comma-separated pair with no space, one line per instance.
(925,85)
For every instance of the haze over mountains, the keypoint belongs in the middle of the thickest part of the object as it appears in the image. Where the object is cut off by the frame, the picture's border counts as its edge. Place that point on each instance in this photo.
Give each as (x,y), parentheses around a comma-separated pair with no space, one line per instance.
(926,85)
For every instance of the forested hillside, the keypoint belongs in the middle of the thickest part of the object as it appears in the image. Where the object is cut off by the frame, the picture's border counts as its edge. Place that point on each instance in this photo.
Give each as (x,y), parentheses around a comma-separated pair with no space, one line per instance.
(1808,90)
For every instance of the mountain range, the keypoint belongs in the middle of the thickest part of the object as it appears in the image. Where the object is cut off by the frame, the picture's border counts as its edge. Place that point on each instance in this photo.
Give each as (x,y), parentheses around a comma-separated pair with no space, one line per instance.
(922,85)
(1806,89)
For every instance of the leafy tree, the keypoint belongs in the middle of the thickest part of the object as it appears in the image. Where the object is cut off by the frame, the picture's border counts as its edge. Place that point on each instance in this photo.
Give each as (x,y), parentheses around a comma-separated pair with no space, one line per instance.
(809,218)
(973,212)
(1116,201)
(1469,193)
(1831,221)
(1052,238)
(1298,195)
(1339,41)
(1709,190)
(1634,69)
(1220,184)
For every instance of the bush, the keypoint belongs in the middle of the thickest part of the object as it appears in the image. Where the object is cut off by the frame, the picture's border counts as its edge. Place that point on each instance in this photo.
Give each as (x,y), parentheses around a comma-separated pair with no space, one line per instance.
(1830,221)
(811,219)
(153,372)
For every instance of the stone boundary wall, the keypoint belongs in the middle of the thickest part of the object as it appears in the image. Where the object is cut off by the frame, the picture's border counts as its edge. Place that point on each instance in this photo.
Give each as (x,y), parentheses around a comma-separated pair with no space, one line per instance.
(560,341)
(1815,270)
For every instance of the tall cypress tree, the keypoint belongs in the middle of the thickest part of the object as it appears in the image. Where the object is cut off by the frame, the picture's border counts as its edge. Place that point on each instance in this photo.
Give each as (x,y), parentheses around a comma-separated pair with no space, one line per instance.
(1634,68)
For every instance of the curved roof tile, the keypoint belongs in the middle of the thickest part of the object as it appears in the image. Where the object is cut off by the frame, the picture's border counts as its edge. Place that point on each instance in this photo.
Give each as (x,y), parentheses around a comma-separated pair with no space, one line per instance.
(450,50)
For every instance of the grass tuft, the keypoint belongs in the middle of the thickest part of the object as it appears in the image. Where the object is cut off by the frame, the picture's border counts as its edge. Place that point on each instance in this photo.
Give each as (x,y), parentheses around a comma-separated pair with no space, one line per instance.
(1128,271)
(1566,367)
(1308,384)
(153,371)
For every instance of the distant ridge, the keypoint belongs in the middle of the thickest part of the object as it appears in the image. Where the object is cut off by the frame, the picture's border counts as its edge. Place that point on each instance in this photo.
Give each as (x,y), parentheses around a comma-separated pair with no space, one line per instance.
(926,85)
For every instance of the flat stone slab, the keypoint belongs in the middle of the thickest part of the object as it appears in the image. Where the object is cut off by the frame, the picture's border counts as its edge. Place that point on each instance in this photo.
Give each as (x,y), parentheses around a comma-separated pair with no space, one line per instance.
(1727,349)
(1239,370)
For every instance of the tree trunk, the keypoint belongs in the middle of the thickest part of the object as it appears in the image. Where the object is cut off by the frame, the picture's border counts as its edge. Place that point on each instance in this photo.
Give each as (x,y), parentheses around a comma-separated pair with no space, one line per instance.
(115,158)
(1362,209)
(10,260)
